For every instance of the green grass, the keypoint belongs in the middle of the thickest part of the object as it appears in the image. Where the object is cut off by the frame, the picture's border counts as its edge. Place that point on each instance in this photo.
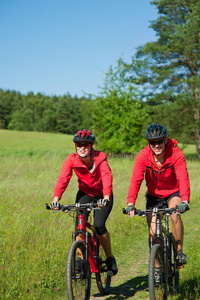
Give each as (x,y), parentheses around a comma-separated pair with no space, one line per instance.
(34,242)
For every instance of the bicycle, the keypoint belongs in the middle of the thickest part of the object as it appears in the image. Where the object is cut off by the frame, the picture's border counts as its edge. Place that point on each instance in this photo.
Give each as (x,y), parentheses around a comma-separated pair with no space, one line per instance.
(78,281)
(163,252)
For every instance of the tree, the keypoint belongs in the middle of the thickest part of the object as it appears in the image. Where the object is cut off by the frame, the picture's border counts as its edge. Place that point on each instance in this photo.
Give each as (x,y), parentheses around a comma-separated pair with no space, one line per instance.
(118,115)
(7,106)
(68,114)
(86,112)
(171,65)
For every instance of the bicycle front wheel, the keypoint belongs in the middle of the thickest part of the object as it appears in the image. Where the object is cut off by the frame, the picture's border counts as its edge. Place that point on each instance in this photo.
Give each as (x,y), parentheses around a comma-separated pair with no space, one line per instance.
(78,279)
(157,286)
(102,279)
(173,270)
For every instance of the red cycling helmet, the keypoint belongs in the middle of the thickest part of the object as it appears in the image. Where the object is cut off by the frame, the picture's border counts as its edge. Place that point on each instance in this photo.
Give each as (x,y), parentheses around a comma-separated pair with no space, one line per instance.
(84,136)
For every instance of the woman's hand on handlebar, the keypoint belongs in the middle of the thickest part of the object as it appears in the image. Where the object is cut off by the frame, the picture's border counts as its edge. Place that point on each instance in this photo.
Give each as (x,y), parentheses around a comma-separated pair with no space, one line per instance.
(103,202)
(55,205)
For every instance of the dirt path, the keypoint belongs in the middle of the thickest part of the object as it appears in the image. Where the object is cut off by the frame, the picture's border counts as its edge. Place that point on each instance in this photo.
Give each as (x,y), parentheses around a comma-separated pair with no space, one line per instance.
(127,284)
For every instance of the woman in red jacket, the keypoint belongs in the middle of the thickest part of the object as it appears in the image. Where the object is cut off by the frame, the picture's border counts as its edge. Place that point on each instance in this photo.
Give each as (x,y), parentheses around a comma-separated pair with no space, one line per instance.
(164,166)
(94,181)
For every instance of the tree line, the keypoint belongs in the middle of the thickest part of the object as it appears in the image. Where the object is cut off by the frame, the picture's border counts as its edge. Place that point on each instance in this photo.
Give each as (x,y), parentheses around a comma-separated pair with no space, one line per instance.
(117,117)
(64,114)
(160,85)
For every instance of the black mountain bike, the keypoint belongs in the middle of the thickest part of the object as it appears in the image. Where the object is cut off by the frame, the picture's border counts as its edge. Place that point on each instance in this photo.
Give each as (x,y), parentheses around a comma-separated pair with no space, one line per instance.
(93,259)
(162,253)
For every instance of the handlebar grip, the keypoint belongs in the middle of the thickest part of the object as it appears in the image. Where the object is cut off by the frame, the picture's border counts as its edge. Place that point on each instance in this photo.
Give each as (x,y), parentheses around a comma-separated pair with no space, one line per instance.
(47,206)
(124,211)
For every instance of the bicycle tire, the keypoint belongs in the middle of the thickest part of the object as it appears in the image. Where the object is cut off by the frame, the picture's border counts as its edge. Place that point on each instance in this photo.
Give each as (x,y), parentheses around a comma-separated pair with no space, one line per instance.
(78,282)
(173,270)
(156,291)
(102,279)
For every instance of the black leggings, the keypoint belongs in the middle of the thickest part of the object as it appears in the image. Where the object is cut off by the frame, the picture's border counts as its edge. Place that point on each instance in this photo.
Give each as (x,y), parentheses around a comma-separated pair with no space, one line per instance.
(100,216)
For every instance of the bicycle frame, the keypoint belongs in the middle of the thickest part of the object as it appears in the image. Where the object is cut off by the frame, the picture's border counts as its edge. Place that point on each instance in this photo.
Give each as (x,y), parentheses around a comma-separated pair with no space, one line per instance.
(165,239)
(91,242)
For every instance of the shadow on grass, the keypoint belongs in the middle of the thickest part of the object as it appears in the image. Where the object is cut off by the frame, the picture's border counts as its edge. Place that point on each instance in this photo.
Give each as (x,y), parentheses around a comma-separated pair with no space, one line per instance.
(128,289)
(189,289)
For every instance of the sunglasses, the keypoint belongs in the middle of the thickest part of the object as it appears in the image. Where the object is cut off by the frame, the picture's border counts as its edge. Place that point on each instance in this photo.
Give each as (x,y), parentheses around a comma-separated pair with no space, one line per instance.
(159,142)
(85,145)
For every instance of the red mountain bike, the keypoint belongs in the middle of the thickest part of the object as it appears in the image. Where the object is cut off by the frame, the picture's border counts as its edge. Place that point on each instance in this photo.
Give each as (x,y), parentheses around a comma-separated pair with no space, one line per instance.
(91,253)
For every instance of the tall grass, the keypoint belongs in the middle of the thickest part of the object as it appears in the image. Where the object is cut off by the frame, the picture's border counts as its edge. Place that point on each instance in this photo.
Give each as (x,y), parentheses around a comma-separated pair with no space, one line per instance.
(34,242)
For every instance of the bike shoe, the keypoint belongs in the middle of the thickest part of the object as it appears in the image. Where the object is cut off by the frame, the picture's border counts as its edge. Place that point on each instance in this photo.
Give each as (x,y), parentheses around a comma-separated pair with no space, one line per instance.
(112,266)
(157,276)
(180,259)
(79,264)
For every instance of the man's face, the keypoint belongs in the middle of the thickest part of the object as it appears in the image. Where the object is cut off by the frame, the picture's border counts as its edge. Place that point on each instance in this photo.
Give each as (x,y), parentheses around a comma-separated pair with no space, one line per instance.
(157,145)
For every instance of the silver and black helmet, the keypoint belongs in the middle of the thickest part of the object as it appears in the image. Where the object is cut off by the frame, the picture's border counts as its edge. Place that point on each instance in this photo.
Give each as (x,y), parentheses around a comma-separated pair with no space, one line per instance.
(155,131)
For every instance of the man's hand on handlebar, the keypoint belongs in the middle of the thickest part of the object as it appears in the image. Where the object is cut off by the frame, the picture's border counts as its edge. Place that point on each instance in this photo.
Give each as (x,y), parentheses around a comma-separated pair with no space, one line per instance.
(182,207)
(130,210)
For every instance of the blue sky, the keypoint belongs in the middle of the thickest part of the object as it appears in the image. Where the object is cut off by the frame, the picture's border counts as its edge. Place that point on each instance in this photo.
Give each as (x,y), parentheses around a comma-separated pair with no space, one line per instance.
(57,47)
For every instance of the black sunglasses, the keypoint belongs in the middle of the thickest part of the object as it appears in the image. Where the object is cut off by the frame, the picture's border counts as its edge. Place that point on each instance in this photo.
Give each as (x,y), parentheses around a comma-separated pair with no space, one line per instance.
(158,142)
(85,145)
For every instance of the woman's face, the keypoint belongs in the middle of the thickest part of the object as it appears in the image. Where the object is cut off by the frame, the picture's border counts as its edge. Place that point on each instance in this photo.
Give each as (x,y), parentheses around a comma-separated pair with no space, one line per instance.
(83,149)
(157,145)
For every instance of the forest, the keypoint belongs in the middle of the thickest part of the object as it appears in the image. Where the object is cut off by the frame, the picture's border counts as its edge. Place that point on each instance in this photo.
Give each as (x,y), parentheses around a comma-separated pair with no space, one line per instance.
(63,114)
(160,85)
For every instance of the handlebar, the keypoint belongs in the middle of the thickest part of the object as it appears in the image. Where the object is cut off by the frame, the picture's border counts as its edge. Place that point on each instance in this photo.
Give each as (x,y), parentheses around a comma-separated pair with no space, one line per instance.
(77,206)
(144,212)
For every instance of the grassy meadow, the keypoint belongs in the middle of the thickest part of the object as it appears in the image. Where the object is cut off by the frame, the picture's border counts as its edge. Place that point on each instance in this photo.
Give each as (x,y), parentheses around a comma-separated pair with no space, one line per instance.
(34,242)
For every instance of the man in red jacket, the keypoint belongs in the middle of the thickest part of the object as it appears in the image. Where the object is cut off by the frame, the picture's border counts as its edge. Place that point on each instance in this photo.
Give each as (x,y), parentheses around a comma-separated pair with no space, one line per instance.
(94,181)
(164,166)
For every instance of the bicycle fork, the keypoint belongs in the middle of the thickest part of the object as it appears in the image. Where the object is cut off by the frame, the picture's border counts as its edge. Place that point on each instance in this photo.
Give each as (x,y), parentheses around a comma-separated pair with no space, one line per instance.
(165,260)
(163,242)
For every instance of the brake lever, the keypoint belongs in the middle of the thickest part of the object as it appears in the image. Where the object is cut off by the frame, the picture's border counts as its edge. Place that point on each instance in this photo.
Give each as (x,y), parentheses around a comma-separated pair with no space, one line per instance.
(56,210)
(94,208)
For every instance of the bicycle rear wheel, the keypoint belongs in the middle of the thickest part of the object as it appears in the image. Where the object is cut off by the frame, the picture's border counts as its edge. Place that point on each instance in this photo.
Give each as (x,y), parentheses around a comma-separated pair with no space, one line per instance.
(103,281)
(157,290)
(78,280)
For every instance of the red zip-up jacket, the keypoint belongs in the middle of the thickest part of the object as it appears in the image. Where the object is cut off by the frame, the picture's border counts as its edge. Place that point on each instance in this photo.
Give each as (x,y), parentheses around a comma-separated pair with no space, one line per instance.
(170,178)
(96,184)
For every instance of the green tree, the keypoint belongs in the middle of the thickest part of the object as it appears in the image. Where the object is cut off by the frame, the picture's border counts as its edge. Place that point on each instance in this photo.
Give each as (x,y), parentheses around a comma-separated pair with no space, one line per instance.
(68,114)
(170,66)
(118,115)
(176,116)
(7,106)
(86,111)
(34,113)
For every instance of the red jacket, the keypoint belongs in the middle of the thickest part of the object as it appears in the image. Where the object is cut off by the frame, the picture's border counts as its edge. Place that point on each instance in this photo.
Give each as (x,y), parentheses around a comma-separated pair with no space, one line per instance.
(96,184)
(170,178)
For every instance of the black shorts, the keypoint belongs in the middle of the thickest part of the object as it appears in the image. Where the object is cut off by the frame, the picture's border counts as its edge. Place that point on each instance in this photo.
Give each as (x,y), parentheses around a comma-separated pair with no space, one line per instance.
(152,201)
(100,216)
